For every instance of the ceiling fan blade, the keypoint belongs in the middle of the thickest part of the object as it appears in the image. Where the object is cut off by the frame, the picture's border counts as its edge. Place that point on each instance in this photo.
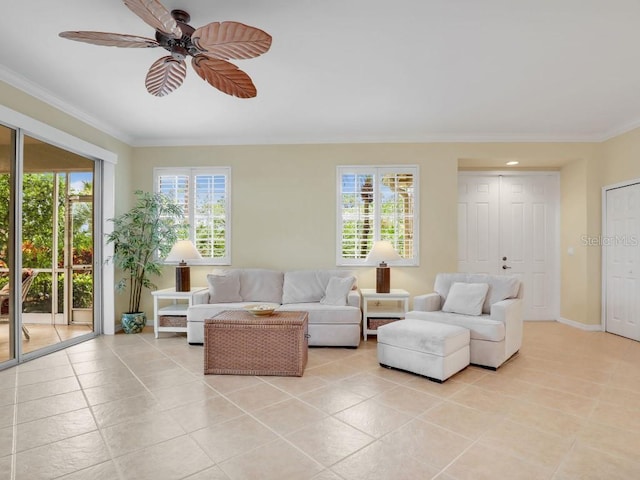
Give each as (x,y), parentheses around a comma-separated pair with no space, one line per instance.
(224,76)
(231,40)
(110,39)
(165,75)
(154,14)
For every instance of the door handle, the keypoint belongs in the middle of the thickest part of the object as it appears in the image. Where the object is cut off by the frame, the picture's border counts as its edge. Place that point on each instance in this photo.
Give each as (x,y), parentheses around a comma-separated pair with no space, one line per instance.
(504,267)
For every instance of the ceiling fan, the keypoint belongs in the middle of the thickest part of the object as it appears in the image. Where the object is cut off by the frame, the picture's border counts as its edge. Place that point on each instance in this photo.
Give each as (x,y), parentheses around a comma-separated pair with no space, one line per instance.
(210,46)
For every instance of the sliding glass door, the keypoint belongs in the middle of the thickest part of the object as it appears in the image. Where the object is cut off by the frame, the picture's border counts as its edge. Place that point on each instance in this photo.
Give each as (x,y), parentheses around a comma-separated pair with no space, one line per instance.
(47,245)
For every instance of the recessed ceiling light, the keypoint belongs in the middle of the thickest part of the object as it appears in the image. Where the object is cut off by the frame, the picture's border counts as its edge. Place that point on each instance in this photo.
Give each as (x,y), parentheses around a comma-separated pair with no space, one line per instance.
(513,162)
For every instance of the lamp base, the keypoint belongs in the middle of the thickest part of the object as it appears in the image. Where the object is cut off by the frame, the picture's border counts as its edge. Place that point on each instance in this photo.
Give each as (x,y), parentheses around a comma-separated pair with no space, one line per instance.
(183,278)
(383,279)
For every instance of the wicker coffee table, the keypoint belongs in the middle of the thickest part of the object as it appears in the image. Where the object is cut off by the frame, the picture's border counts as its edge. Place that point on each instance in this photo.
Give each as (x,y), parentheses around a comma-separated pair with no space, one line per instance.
(239,343)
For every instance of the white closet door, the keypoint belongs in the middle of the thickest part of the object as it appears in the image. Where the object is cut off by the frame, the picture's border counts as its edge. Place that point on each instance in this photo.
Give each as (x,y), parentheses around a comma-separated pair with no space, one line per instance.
(507,225)
(622,253)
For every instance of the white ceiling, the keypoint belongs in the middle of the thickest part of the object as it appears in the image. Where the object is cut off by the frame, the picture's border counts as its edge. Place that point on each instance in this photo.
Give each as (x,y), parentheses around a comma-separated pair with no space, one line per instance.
(349,71)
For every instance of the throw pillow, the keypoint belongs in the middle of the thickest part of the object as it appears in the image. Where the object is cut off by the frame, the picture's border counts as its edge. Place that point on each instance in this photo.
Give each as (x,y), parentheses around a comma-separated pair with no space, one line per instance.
(466,298)
(224,288)
(337,291)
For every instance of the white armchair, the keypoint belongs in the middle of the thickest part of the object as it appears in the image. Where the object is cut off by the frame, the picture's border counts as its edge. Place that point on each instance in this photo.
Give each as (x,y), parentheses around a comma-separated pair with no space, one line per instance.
(496,331)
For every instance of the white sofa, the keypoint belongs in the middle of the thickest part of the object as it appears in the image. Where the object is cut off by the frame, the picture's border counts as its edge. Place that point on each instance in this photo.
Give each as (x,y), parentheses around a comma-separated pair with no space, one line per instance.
(496,332)
(333,306)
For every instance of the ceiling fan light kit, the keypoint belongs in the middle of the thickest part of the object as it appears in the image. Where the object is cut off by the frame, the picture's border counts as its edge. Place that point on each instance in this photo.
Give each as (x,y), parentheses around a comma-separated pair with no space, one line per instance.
(209,46)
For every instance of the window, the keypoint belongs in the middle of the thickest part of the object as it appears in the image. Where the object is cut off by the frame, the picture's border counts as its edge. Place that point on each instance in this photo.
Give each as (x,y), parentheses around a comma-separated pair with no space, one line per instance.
(377,203)
(204,194)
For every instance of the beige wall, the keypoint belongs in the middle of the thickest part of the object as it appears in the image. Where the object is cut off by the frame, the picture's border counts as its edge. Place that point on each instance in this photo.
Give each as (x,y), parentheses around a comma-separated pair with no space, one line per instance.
(284,197)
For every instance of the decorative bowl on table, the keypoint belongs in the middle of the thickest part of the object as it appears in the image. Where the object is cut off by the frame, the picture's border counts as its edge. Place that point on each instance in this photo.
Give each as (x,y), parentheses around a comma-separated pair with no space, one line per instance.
(261,309)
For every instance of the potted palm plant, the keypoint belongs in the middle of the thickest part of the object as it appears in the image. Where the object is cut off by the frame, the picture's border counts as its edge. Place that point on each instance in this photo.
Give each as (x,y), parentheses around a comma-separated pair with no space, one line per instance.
(141,238)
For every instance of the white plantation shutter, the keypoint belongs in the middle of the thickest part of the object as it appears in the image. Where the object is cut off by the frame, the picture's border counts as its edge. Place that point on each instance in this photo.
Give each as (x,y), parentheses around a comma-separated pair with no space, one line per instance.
(377,203)
(204,195)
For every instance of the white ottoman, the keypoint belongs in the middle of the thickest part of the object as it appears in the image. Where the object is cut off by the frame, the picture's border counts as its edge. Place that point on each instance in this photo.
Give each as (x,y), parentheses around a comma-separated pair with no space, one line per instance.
(435,350)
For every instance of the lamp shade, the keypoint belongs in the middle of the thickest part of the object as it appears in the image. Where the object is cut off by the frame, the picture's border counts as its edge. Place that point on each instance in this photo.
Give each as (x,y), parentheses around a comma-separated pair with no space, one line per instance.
(382,252)
(182,251)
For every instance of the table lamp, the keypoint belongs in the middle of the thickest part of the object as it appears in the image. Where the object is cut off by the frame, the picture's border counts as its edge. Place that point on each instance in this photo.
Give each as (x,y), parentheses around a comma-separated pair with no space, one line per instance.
(181,251)
(381,252)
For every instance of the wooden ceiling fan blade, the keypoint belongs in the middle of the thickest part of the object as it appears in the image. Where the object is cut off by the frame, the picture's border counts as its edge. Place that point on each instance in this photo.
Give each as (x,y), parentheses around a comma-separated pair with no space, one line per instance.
(224,76)
(156,15)
(231,40)
(165,75)
(110,39)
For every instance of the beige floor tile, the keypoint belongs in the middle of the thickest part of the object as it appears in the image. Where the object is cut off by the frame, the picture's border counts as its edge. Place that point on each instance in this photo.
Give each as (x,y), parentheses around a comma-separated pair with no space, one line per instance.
(334,371)
(468,422)
(617,442)
(327,475)
(143,366)
(510,387)
(7,415)
(180,395)
(367,385)
(46,389)
(544,449)
(128,437)
(170,460)
(96,366)
(565,402)
(471,374)
(584,463)
(46,407)
(115,391)
(102,471)
(485,400)
(105,377)
(53,429)
(332,398)
(616,416)
(7,396)
(627,399)
(225,440)
(198,415)
(274,461)
(408,400)
(125,410)
(329,440)
(57,359)
(374,462)
(170,378)
(373,418)
(483,463)
(6,441)
(6,466)
(426,443)
(213,473)
(258,396)
(230,383)
(440,390)
(396,376)
(288,416)
(297,385)
(546,419)
(45,375)
(91,356)
(61,458)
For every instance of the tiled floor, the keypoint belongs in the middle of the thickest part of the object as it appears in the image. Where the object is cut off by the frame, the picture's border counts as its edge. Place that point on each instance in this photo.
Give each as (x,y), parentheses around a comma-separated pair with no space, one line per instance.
(133,407)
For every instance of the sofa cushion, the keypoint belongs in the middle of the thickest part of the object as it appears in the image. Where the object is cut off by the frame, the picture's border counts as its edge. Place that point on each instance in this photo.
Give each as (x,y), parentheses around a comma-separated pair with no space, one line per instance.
(261,285)
(466,298)
(501,287)
(306,286)
(224,287)
(481,326)
(337,291)
(326,314)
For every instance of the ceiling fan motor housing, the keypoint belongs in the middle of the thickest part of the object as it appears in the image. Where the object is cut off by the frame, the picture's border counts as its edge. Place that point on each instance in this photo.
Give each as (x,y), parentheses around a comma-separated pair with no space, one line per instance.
(181,47)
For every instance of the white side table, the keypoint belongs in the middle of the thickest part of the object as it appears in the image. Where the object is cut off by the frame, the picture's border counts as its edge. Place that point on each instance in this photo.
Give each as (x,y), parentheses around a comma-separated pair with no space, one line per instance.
(180,301)
(382,305)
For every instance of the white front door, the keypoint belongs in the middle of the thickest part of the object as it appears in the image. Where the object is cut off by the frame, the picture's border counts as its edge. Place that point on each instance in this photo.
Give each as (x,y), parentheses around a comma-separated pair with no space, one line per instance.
(507,224)
(622,259)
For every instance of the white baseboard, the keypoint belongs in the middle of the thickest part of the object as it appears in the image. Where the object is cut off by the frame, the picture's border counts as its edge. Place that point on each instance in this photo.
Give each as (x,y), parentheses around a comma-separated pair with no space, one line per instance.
(581,326)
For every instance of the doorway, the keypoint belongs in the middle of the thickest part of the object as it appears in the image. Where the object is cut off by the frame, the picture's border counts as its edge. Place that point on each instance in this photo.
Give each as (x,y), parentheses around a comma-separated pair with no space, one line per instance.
(620,244)
(508,224)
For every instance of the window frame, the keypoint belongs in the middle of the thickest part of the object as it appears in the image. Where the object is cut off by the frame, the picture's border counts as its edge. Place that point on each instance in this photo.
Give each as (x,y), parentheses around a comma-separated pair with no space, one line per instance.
(192,172)
(378,171)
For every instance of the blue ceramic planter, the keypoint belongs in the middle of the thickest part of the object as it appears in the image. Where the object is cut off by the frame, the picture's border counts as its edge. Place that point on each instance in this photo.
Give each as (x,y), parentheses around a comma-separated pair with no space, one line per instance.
(133,322)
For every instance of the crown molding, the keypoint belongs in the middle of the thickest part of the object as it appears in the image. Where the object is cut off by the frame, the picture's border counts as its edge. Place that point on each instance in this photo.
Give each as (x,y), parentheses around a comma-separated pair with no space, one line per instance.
(27,86)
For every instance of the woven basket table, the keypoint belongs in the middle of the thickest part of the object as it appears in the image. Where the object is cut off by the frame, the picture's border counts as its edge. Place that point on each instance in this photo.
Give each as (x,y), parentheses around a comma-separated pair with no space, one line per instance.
(238,343)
